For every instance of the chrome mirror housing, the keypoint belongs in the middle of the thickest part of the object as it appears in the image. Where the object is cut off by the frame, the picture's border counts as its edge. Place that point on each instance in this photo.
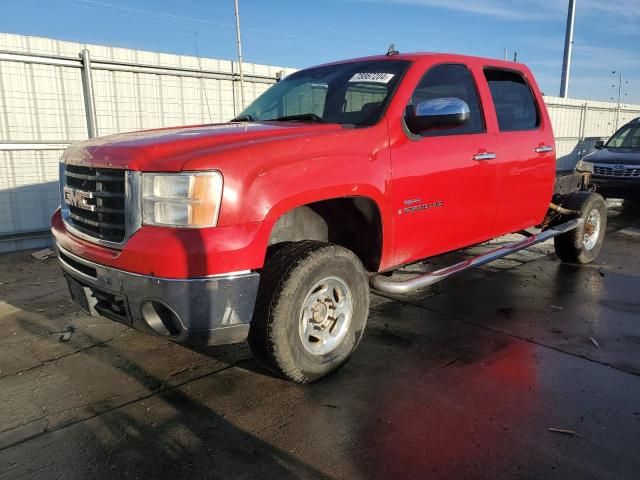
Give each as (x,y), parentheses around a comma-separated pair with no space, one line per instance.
(438,113)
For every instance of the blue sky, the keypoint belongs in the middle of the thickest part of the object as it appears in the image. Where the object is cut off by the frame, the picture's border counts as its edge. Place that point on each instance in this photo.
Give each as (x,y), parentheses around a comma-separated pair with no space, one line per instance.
(303,33)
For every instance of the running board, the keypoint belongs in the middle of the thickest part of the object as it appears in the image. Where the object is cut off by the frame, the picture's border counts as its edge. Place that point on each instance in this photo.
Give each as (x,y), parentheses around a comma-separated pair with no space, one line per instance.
(387,285)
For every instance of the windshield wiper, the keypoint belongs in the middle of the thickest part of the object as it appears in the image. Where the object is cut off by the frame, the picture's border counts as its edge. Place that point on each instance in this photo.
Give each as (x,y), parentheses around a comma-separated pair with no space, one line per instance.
(309,117)
(243,118)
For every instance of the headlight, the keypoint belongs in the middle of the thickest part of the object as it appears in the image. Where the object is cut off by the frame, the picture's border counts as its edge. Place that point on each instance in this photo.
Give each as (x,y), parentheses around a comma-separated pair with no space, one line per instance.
(190,200)
(584,166)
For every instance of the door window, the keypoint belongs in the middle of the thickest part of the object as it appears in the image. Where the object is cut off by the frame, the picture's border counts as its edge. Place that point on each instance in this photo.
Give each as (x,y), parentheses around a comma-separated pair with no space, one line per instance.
(514,103)
(450,80)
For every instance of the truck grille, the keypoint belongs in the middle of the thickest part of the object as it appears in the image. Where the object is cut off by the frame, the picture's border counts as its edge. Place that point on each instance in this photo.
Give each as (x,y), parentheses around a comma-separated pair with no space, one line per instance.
(612,171)
(101,211)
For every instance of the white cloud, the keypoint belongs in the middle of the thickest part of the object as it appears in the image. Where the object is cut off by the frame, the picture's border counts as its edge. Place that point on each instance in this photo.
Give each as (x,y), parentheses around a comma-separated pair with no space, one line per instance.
(603,58)
(623,8)
(510,10)
(591,66)
(531,9)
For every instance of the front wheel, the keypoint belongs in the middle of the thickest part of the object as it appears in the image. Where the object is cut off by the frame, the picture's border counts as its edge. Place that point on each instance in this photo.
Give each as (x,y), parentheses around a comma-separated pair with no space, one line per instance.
(311,311)
(583,244)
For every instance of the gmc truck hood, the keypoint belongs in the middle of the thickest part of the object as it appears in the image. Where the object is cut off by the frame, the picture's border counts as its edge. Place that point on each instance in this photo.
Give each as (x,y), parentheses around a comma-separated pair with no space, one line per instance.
(169,149)
(615,156)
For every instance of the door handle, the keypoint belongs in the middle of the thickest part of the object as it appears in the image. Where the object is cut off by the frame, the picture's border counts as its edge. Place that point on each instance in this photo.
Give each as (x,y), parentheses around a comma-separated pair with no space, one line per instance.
(543,149)
(484,156)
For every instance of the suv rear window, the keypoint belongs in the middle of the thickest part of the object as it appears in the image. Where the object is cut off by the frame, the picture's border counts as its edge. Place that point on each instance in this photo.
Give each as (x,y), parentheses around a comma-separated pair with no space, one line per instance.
(514,103)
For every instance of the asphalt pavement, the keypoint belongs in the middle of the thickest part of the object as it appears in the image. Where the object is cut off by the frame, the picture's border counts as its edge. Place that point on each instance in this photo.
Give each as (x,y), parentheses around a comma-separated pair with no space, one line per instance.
(526,368)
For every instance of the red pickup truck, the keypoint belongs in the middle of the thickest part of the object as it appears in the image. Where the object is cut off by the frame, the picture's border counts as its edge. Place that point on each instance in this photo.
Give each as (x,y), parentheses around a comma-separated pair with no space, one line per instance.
(274,226)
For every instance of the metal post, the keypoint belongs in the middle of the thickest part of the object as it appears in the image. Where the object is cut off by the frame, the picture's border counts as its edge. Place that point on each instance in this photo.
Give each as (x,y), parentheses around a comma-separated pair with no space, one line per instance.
(583,126)
(568,47)
(239,55)
(87,88)
(583,121)
(619,97)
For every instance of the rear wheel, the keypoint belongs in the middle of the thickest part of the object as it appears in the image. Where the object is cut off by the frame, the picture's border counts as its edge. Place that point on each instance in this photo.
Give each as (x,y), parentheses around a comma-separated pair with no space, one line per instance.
(583,244)
(311,310)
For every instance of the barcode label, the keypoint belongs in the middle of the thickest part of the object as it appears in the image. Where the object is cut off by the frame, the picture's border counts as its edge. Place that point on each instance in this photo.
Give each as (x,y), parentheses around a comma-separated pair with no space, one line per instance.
(372,77)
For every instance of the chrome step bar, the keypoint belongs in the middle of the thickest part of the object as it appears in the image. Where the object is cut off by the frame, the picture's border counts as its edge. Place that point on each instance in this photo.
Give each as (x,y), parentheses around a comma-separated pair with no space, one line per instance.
(388,285)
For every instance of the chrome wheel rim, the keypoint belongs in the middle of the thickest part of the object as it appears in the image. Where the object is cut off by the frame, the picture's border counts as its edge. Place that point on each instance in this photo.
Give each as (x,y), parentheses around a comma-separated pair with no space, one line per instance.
(592,229)
(325,315)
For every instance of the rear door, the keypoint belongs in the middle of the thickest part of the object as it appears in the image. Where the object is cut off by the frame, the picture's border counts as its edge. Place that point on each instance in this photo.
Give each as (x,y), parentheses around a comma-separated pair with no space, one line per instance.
(525,150)
(445,182)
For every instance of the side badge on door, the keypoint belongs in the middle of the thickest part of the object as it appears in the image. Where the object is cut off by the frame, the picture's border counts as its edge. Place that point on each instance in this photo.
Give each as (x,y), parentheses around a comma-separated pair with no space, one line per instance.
(412,207)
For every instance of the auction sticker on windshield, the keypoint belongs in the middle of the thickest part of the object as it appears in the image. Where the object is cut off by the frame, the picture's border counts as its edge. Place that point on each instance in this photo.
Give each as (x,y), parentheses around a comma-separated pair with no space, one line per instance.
(372,77)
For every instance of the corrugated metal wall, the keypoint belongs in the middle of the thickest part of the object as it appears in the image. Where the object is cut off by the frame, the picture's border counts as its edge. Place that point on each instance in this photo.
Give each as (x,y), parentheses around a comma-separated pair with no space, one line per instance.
(42,110)
(578,124)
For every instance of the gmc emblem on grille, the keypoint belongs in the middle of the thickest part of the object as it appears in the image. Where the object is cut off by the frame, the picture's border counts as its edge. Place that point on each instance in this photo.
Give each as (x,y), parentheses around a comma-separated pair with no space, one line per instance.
(78,198)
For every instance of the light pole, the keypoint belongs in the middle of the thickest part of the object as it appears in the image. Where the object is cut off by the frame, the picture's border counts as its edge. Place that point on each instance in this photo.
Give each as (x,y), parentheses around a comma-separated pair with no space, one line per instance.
(619,95)
(568,47)
(239,41)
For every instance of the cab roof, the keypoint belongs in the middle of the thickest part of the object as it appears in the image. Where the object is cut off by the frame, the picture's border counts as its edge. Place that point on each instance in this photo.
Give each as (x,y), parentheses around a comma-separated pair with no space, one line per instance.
(442,57)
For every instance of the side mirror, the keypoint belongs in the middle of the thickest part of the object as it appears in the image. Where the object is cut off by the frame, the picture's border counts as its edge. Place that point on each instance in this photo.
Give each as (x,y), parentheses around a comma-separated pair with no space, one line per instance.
(599,145)
(438,114)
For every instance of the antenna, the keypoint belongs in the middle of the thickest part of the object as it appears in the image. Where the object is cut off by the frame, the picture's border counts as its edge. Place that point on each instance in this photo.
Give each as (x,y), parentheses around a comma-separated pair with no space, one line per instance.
(204,88)
(392,50)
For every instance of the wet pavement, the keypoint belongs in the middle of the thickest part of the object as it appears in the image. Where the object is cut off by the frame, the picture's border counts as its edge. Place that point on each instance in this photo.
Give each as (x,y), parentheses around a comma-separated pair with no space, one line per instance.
(468,379)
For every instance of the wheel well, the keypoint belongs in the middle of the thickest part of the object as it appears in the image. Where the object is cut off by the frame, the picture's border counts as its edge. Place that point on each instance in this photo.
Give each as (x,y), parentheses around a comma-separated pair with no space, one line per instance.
(351,222)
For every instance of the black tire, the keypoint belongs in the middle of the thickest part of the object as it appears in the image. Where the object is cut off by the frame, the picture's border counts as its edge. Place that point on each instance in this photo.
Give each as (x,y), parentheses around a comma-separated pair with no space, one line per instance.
(570,247)
(285,283)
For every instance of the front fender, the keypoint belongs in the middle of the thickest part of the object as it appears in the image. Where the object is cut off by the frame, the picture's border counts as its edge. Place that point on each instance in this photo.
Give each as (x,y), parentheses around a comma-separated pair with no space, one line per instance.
(265,180)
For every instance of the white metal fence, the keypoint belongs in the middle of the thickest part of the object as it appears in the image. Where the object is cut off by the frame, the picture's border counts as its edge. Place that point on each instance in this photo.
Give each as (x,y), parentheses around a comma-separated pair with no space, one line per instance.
(578,124)
(51,94)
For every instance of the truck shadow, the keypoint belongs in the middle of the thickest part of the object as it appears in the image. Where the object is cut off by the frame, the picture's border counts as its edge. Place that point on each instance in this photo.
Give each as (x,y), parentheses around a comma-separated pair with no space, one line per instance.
(176,430)
(172,432)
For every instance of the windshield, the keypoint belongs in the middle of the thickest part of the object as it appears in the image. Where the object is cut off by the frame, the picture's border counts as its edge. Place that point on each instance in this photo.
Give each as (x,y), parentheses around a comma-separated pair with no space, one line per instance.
(627,137)
(354,93)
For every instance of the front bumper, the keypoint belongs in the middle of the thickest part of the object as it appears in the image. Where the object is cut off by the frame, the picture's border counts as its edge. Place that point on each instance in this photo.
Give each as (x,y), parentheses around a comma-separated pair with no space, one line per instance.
(617,187)
(202,311)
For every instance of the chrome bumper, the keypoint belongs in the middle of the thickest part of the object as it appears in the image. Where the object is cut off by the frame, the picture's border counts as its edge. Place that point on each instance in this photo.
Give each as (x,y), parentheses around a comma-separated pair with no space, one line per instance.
(205,311)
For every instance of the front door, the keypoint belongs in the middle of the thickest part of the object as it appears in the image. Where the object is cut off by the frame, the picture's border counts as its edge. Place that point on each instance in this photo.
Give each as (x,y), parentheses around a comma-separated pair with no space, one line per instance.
(445,182)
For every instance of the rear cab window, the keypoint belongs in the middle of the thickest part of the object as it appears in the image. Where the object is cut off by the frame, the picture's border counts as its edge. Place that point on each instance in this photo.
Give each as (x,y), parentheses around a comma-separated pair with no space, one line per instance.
(515,105)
